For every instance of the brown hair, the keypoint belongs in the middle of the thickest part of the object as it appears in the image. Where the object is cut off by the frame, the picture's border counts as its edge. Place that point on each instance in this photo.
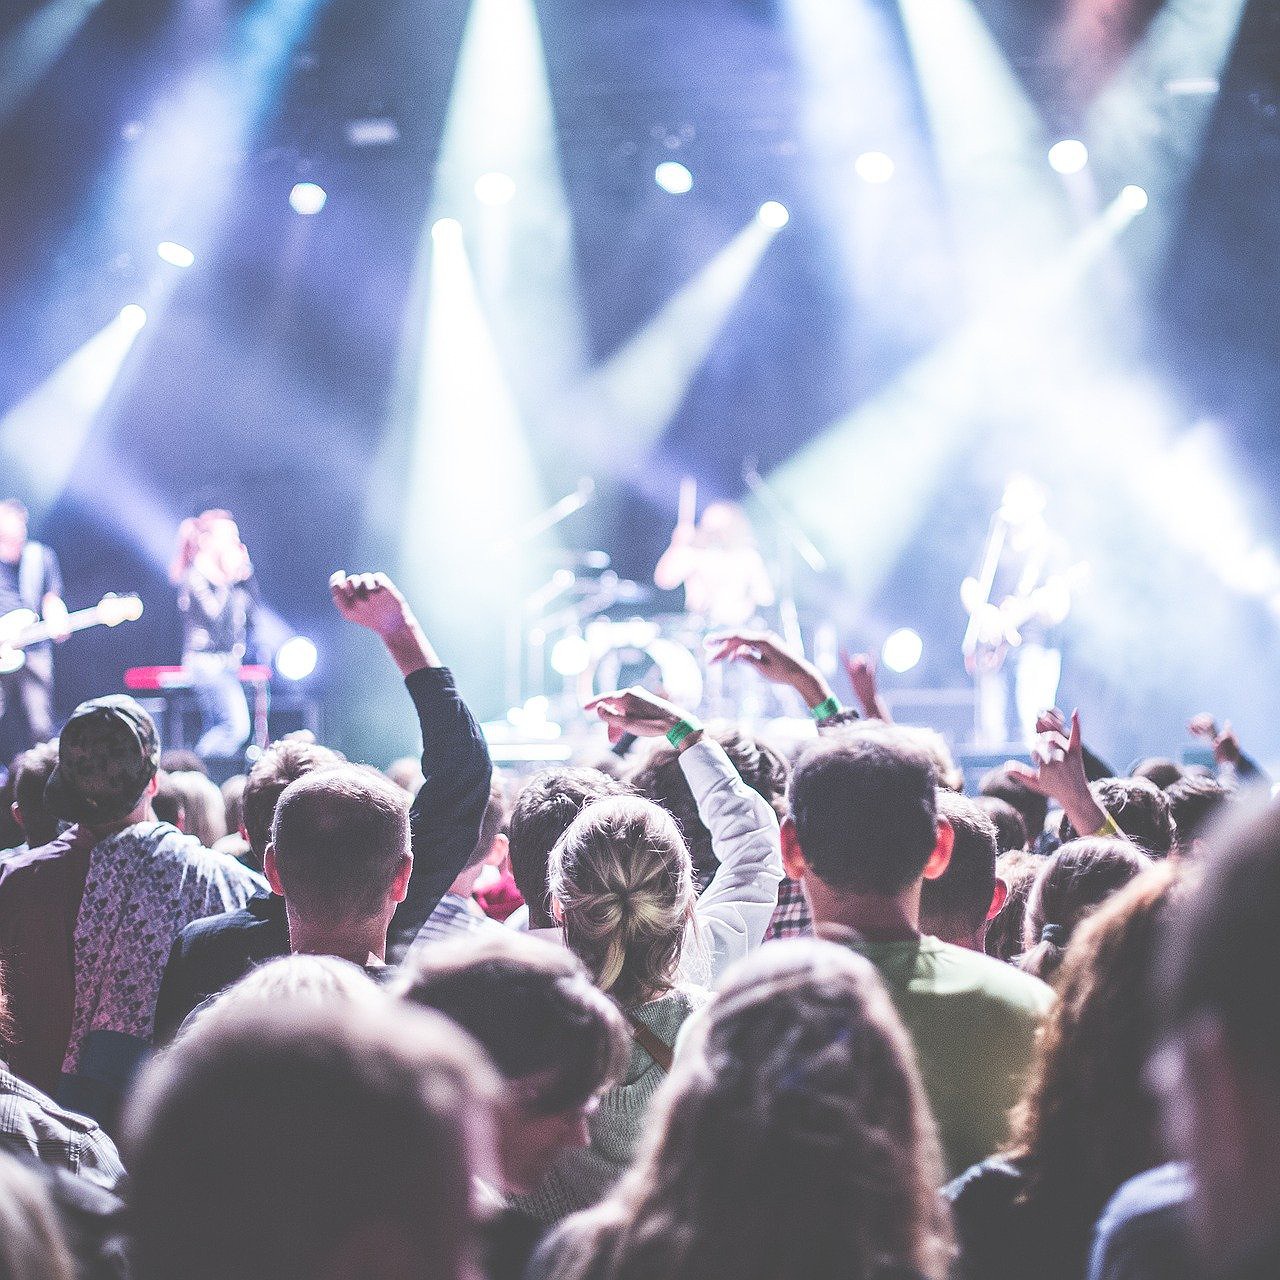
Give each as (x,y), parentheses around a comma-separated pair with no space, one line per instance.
(793,1140)
(622,877)
(1086,1122)
(1073,881)
(1017,869)
(1138,807)
(955,905)
(31,775)
(269,1140)
(280,764)
(340,837)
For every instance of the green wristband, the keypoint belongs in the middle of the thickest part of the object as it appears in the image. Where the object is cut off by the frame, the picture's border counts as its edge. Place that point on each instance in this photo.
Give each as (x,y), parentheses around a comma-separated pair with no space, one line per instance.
(681,730)
(827,708)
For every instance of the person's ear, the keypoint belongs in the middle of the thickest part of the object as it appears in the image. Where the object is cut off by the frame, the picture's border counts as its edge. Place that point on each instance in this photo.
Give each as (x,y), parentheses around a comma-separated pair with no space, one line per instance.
(999,896)
(793,860)
(244,834)
(400,886)
(557,911)
(940,858)
(271,871)
(153,786)
(14,814)
(497,854)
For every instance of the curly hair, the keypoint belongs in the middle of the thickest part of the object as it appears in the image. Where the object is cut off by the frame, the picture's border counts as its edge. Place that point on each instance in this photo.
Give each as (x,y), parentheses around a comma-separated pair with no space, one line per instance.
(1086,1122)
(792,1142)
(623,881)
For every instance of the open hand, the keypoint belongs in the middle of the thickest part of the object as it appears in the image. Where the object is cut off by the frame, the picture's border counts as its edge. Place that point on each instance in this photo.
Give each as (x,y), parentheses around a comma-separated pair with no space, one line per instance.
(370,600)
(770,657)
(635,711)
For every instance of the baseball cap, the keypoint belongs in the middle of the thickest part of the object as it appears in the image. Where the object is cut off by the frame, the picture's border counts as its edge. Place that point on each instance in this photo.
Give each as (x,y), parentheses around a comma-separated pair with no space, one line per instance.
(107,754)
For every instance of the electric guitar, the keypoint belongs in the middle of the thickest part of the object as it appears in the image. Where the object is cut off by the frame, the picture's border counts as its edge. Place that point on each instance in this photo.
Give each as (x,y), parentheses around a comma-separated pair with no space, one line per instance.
(22,628)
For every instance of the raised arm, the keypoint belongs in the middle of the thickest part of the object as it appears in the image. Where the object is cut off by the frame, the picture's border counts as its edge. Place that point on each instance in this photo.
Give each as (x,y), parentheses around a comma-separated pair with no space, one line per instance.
(1057,771)
(775,663)
(735,909)
(446,814)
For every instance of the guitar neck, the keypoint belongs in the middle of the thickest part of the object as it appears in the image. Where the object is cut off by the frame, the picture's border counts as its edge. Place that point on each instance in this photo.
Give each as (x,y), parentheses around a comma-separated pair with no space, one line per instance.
(40,631)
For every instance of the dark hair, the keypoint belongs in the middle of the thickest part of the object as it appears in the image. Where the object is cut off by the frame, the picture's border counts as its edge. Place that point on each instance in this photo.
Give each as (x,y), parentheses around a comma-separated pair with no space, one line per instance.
(1160,771)
(1017,869)
(1087,1123)
(267,1138)
(31,775)
(280,764)
(340,836)
(182,760)
(1076,879)
(168,802)
(1011,830)
(955,905)
(530,1004)
(661,779)
(1138,807)
(1224,947)
(1195,804)
(546,806)
(865,810)
(233,801)
(1006,786)
(492,821)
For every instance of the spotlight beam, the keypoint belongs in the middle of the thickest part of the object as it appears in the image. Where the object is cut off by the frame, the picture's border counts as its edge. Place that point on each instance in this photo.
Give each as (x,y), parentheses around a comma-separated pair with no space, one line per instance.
(29,52)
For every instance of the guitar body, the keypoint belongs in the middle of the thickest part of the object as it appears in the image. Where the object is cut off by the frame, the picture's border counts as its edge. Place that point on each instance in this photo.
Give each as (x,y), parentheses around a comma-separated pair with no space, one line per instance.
(12,625)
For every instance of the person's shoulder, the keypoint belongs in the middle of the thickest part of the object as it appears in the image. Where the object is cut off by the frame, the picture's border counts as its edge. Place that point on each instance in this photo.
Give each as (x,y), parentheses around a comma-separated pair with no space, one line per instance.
(996,980)
(220,929)
(995,1180)
(27,870)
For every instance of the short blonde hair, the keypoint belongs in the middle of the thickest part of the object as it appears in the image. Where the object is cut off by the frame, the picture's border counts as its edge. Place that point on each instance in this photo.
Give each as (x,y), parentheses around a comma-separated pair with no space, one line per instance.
(623,880)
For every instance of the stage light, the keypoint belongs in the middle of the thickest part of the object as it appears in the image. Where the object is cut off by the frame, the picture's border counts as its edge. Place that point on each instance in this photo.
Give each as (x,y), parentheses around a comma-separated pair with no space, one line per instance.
(446,231)
(773,215)
(1068,156)
(672,176)
(570,656)
(176,255)
(296,658)
(902,650)
(495,188)
(1133,198)
(132,316)
(874,167)
(307,198)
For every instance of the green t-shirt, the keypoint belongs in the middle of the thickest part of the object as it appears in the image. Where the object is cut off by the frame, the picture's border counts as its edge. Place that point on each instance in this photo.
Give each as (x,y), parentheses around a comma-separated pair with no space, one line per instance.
(973,1021)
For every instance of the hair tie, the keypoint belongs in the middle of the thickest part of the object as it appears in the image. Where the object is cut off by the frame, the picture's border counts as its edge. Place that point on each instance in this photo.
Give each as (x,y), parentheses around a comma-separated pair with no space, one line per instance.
(1054,934)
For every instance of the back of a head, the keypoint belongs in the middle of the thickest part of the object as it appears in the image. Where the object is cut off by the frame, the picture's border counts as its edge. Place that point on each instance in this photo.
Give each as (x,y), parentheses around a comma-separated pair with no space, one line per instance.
(1074,881)
(865,811)
(1011,830)
(32,1245)
(204,811)
(233,801)
(1196,804)
(661,779)
(280,764)
(1088,1121)
(623,880)
(291,1142)
(955,905)
(531,1005)
(182,760)
(1018,869)
(1160,771)
(31,775)
(1138,807)
(1007,786)
(543,811)
(492,821)
(793,1132)
(341,837)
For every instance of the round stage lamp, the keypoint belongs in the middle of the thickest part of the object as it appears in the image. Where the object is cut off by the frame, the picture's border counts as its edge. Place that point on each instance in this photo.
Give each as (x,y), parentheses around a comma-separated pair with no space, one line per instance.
(1134,198)
(296,658)
(133,316)
(570,656)
(1068,156)
(672,176)
(495,188)
(874,167)
(774,215)
(176,255)
(307,198)
(902,650)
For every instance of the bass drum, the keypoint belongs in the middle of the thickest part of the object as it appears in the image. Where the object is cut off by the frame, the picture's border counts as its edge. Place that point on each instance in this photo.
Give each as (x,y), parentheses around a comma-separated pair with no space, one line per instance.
(636,653)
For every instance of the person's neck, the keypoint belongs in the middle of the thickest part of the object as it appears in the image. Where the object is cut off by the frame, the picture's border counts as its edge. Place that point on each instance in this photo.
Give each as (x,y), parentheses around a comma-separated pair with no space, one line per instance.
(355,940)
(874,917)
(141,813)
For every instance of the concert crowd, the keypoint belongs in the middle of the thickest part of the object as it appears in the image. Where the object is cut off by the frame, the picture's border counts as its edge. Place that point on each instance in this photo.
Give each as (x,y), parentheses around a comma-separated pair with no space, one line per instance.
(702,1007)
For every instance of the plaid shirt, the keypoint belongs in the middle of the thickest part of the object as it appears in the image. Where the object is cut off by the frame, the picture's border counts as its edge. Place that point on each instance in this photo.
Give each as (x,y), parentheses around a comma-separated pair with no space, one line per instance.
(33,1123)
(792,919)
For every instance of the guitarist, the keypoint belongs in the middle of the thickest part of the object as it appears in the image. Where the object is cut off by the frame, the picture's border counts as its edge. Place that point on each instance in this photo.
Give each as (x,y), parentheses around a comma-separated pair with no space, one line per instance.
(29,579)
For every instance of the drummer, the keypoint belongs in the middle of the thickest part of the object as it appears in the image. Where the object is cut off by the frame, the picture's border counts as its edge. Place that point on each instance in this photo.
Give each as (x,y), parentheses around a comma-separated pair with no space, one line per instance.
(717,562)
